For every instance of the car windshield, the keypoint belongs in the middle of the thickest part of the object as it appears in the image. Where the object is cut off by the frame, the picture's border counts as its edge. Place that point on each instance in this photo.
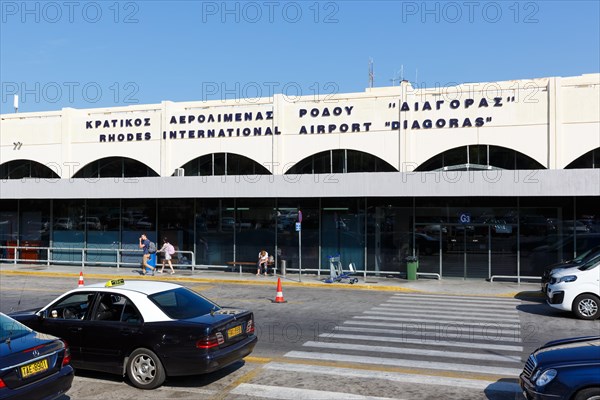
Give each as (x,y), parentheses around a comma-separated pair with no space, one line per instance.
(182,303)
(11,329)
(590,265)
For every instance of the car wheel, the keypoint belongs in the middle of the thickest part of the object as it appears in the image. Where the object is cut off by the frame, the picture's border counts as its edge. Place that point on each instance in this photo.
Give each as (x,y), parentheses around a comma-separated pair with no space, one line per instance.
(145,370)
(586,306)
(588,394)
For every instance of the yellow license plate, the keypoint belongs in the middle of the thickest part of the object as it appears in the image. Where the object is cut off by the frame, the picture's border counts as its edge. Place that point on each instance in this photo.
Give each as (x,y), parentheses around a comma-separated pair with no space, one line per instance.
(237,330)
(34,368)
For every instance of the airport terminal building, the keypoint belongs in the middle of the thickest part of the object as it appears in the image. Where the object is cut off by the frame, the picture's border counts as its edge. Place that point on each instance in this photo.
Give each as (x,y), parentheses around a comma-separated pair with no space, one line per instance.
(480,180)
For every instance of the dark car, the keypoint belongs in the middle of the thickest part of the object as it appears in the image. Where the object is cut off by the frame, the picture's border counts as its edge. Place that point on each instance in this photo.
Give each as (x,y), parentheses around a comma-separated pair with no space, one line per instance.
(146,330)
(32,365)
(567,369)
(585,257)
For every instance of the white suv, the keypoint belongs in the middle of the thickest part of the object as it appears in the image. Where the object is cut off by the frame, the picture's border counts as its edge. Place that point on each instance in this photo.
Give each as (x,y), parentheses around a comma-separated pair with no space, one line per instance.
(576,289)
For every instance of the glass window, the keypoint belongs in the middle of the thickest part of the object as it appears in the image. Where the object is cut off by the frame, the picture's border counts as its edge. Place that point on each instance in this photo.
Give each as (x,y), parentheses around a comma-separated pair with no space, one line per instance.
(176,224)
(255,223)
(19,169)
(103,230)
(69,226)
(183,303)
(138,216)
(34,229)
(215,224)
(73,306)
(287,237)
(590,159)
(9,223)
(11,329)
(115,167)
(343,231)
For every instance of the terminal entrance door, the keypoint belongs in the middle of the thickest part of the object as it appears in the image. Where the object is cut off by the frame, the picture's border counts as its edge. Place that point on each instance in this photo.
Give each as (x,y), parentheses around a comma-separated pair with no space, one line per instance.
(465,250)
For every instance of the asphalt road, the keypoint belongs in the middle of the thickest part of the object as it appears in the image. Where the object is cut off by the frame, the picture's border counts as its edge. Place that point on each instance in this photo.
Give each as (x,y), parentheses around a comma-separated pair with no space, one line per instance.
(348,344)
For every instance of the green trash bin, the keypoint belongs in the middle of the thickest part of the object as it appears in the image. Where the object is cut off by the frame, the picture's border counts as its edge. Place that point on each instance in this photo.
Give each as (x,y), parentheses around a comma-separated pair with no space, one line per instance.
(411,269)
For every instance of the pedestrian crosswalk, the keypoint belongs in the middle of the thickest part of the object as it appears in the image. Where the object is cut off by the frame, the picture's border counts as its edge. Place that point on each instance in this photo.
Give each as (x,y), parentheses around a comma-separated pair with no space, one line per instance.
(464,343)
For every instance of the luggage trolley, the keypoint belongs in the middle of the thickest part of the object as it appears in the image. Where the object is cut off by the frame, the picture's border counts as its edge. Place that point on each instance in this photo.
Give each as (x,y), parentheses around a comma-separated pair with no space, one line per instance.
(337,273)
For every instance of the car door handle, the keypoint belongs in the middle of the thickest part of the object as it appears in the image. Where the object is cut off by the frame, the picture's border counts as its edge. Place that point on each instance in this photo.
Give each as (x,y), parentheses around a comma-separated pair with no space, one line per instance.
(75,329)
(127,332)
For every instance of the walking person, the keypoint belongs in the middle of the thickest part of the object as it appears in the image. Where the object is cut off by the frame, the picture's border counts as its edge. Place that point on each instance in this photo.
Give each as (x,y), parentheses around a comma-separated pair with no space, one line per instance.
(168,250)
(263,260)
(145,245)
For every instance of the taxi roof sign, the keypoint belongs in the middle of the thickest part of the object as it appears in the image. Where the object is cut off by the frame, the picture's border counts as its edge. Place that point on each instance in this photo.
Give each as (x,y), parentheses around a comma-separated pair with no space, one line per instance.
(114,282)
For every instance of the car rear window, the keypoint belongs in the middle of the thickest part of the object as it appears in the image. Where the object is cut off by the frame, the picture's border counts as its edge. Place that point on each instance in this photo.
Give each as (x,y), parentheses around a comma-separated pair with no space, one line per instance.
(11,329)
(182,303)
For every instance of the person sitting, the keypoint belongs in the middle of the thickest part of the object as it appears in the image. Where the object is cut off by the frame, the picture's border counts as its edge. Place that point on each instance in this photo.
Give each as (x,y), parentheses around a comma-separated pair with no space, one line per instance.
(263,261)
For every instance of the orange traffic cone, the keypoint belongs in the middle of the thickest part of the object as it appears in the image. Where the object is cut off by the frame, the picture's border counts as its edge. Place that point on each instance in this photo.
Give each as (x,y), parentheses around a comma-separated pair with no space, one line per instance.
(279,296)
(81,279)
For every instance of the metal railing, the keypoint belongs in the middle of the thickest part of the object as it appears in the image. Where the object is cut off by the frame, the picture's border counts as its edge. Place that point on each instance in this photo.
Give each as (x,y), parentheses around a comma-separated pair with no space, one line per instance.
(19,254)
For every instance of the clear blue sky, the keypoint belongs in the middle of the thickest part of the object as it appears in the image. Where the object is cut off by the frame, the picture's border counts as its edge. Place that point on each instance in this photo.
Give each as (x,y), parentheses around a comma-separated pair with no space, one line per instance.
(86,54)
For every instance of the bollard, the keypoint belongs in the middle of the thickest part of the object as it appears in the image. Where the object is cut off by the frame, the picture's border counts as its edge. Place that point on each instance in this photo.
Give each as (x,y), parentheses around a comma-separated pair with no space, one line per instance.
(283,266)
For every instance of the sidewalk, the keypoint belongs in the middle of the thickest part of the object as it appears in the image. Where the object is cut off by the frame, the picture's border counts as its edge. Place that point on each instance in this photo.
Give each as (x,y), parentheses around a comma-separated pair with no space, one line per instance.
(447,286)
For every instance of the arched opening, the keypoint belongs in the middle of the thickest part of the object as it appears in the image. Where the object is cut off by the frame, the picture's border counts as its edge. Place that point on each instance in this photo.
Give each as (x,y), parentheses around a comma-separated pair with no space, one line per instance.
(340,161)
(479,157)
(19,169)
(115,167)
(223,164)
(591,159)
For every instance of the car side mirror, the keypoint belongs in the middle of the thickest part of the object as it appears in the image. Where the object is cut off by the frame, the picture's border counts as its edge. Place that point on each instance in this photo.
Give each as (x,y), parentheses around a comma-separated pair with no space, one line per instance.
(42,314)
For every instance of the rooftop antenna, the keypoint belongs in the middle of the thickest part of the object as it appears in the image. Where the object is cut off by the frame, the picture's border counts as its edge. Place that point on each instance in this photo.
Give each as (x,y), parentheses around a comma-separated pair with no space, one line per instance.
(16,103)
(371,74)
(402,72)
(394,79)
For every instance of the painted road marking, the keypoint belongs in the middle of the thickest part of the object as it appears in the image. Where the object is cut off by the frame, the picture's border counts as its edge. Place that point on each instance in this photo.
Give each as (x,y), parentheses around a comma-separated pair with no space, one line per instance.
(491,384)
(417,352)
(480,369)
(471,345)
(450,316)
(426,333)
(480,324)
(288,393)
(449,307)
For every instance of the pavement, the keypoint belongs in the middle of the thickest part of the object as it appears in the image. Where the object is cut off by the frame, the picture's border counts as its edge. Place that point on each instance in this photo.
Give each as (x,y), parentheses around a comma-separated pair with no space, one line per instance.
(446,286)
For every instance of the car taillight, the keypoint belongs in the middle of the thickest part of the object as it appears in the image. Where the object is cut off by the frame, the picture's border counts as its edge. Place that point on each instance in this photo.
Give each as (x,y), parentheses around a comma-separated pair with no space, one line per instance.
(250,327)
(211,341)
(2,384)
(67,357)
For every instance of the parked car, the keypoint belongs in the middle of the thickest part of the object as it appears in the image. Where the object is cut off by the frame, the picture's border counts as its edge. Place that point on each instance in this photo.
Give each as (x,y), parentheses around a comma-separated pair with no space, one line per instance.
(576,289)
(145,330)
(587,256)
(32,365)
(567,369)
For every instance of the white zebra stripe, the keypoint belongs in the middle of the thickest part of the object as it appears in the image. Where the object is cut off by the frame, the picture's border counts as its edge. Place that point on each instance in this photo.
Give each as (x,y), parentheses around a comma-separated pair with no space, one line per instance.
(478,369)
(481,324)
(493,300)
(288,393)
(423,342)
(449,316)
(491,385)
(439,307)
(428,333)
(415,352)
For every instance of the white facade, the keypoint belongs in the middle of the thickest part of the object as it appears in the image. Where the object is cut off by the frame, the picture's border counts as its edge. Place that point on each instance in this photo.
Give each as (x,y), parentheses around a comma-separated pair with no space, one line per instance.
(552,120)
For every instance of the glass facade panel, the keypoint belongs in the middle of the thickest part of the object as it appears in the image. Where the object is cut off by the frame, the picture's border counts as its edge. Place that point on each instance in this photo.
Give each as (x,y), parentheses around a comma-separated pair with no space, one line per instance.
(288,238)
(176,223)
(343,232)
(9,227)
(455,237)
(215,222)
(103,230)
(19,169)
(68,230)
(138,216)
(255,226)
(34,229)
